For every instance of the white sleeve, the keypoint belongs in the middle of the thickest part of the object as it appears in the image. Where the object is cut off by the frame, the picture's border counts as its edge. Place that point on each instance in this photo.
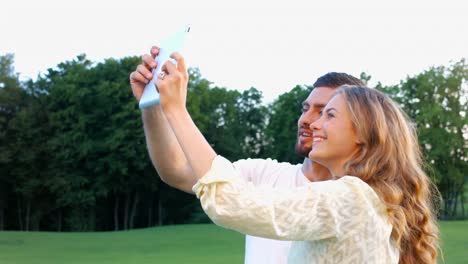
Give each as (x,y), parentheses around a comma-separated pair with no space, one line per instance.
(259,171)
(316,211)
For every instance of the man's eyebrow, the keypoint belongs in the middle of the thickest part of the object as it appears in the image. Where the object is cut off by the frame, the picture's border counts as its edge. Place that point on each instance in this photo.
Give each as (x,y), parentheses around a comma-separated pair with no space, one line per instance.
(315,105)
(319,105)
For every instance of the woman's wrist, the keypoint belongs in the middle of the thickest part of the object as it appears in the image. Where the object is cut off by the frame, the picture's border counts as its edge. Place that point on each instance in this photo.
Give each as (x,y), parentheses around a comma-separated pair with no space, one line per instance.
(174,112)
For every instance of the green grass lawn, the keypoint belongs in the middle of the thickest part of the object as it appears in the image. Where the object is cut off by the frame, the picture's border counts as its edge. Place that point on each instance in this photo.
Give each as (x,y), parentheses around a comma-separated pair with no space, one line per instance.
(170,244)
(454,241)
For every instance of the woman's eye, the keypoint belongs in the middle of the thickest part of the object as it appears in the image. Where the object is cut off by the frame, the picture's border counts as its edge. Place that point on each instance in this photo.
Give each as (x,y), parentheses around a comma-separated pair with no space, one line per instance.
(330,115)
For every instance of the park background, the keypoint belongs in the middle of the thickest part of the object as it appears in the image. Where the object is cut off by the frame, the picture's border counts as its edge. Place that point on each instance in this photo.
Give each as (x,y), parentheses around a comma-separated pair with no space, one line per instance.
(75,173)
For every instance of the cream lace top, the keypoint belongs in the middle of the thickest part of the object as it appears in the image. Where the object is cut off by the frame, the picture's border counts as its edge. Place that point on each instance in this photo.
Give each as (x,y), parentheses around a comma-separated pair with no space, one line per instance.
(336,221)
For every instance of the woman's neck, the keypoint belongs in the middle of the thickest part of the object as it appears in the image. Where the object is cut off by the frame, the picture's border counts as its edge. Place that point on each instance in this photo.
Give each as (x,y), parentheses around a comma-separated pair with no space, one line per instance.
(337,169)
(337,173)
(314,171)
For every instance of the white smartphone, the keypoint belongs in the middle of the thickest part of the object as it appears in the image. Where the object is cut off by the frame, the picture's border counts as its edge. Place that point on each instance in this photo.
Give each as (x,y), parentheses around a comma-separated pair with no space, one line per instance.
(174,43)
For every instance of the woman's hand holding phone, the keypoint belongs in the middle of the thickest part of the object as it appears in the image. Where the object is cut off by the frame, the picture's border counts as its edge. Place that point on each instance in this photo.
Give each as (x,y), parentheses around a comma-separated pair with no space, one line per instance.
(172,84)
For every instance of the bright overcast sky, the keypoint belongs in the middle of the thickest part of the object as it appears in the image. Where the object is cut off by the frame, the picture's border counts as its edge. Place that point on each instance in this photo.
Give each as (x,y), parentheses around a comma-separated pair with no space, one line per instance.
(239,44)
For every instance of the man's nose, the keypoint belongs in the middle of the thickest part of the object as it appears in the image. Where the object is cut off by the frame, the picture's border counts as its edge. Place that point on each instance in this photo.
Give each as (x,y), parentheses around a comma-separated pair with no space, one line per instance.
(316,125)
(306,119)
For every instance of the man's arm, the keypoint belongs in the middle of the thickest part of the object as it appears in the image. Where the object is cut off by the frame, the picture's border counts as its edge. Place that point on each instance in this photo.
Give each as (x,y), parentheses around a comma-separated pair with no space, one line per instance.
(163,147)
(165,152)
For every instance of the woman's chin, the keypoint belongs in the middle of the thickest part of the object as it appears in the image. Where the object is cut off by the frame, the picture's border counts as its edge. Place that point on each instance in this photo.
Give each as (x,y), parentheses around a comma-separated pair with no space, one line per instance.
(319,156)
(314,155)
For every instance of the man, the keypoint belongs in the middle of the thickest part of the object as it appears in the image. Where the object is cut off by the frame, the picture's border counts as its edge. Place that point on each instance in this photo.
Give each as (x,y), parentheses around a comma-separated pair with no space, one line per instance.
(174,169)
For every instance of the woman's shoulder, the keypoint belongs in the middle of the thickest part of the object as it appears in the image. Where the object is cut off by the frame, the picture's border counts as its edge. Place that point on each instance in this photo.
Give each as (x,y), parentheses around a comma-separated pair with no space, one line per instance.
(364,190)
(355,181)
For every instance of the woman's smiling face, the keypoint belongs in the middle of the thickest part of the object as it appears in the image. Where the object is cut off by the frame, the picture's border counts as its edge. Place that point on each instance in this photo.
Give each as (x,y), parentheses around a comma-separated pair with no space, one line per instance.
(334,138)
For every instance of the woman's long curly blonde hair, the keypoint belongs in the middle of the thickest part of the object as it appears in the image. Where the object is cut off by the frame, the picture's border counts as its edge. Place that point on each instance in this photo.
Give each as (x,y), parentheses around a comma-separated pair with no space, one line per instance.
(390,161)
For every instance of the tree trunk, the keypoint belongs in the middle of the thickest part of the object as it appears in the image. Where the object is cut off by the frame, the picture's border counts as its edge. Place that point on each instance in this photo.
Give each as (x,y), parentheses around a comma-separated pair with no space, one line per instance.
(134,210)
(150,211)
(35,220)
(449,200)
(446,198)
(458,195)
(92,218)
(116,213)
(126,210)
(59,221)
(20,213)
(454,207)
(462,200)
(160,211)
(28,214)
(2,222)
(463,206)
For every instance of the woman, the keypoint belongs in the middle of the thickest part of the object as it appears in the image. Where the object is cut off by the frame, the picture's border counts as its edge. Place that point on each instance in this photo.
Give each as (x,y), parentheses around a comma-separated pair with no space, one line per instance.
(376,209)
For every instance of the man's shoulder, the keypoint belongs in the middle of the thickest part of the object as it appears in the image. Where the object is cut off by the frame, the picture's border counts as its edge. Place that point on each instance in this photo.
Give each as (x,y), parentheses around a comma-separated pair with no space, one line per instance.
(264,162)
(268,171)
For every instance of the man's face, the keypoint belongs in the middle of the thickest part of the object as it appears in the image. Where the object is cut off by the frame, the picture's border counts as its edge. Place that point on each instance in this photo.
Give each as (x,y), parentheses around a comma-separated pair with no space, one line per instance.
(311,109)
(335,140)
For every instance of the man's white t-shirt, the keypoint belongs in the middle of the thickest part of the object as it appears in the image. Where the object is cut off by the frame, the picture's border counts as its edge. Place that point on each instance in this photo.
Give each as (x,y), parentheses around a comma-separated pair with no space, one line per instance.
(268,172)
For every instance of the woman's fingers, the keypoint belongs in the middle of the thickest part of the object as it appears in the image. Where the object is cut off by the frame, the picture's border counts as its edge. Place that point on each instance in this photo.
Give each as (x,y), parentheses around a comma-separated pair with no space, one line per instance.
(180,62)
(169,75)
(172,83)
(148,61)
(173,71)
(170,69)
(160,84)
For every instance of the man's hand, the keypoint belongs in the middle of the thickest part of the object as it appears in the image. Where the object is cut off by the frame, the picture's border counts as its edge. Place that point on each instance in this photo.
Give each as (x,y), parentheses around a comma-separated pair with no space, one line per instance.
(142,75)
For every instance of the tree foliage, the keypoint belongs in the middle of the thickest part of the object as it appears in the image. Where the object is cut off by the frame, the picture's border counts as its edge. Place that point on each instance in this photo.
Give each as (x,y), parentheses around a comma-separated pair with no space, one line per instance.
(281,131)
(73,153)
(436,100)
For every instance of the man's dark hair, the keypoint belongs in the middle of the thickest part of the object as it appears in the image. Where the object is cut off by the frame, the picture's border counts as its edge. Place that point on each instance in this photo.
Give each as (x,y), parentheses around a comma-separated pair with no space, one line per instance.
(336,79)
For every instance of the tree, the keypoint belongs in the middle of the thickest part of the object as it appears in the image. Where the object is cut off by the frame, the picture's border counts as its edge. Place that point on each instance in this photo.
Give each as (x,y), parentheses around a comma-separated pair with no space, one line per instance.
(11,99)
(437,101)
(73,153)
(98,141)
(23,152)
(126,169)
(252,120)
(281,130)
